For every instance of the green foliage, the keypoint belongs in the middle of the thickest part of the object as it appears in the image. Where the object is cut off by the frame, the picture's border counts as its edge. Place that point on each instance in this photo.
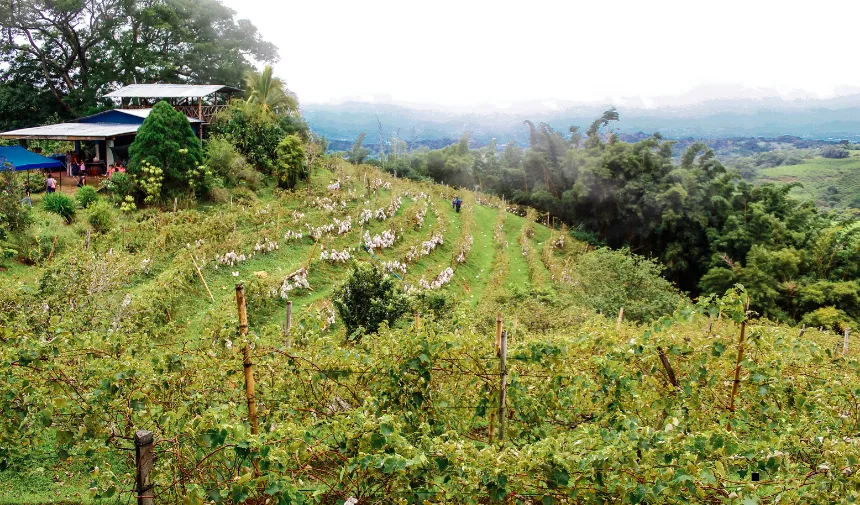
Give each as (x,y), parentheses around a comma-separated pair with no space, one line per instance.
(167,142)
(100,216)
(86,196)
(358,154)
(291,162)
(833,152)
(13,215)
(367,299)
(269,92)
(226,162)
(611,279)
(120,186)
(255,132)
(126,44)
(243,196)
(60,205)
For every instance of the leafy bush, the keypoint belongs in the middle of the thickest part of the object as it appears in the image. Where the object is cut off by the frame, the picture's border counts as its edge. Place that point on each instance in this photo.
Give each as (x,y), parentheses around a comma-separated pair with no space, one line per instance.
(830,318)
(367,299)
(35,244)
(37,181)
(60,205)
(291,162)
(244,196)
(834,152)
(226,162)
(218,195)
(86,196)
(120,185)
(101,217)
(611,279)
(13,215)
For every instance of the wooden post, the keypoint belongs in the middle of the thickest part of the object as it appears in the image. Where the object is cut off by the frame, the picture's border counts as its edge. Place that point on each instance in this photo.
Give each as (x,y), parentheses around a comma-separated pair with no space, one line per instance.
(845,342)
(802,329)
(174,204)
(87,246)
(668,367)
(240,306)
(620,318)
(740,358)
(417,320)
(247,365)
(144,456)
(53,246)
(514,331)
(492,424)
(503,384)
(289,322)
(201,276)
(710,324)
(498,333)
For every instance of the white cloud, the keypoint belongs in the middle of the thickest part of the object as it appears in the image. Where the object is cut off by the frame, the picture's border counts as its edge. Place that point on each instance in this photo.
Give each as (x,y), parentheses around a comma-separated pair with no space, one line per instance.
(465,52)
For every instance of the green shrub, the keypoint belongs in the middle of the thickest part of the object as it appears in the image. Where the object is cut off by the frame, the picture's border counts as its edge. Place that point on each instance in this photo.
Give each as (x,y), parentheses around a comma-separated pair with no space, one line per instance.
(367,298)
(120,185)
(609,280)
(37,181)
(829,318)
(60,205)
(46,234)
(224,161)
(101,217)
(218,195)
(243,196)
(13,215)
(86,196)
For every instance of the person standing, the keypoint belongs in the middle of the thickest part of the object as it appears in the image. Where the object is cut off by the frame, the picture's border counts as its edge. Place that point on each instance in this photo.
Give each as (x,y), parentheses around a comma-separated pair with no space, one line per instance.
(51,184)
(82,181)
(82,168)
(26,200)
(69,162)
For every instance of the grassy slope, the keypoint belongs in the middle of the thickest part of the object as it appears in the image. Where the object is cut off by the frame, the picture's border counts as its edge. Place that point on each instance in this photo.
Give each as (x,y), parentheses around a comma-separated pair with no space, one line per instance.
(817,175)
(194,311)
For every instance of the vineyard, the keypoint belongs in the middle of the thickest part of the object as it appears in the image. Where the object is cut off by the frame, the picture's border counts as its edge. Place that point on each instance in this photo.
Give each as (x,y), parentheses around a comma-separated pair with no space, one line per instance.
(137,328)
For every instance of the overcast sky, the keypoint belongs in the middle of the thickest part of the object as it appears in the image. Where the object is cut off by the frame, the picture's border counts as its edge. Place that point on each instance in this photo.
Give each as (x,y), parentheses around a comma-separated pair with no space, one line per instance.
(467,52)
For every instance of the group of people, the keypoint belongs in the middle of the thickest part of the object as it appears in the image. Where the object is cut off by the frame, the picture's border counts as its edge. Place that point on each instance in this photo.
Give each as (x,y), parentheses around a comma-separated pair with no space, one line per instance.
(456,203)
(119,167)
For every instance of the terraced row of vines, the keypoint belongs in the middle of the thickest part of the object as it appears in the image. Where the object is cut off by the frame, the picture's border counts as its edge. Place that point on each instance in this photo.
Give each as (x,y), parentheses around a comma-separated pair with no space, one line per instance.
(118,332)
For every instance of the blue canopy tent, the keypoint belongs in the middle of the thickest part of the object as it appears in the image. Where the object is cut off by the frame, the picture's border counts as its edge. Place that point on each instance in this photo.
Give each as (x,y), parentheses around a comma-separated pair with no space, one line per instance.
(22,159)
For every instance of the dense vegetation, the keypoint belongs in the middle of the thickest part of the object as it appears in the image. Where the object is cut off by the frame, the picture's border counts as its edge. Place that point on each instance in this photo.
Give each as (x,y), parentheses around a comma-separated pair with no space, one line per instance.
(704,222)
(121,335)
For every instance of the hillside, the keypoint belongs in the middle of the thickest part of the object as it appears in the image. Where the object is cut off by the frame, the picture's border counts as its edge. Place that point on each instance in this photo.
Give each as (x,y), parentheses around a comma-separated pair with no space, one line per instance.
(98,342)
(830,183)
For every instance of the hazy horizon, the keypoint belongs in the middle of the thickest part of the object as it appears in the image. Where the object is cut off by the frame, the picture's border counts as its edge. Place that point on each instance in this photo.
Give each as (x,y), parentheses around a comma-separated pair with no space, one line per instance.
(455,55)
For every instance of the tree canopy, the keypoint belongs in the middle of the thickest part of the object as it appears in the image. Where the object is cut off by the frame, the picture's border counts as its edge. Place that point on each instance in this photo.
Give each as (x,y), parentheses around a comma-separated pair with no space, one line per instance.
(76,51)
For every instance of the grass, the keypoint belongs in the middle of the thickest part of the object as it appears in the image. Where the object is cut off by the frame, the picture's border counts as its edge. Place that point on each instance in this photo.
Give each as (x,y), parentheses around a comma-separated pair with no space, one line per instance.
(193,312)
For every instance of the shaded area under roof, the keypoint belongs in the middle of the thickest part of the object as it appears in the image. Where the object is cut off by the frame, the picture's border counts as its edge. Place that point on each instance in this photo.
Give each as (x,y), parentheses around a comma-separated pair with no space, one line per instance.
(170,90)
(22,159)
(73,131)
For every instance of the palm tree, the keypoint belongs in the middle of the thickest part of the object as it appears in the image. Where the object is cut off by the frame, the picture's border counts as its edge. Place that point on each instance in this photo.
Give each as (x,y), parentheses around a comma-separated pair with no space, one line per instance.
(270,92)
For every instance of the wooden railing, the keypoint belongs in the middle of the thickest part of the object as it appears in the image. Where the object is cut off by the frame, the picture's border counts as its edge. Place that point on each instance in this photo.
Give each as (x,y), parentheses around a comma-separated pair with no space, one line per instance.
(208,111)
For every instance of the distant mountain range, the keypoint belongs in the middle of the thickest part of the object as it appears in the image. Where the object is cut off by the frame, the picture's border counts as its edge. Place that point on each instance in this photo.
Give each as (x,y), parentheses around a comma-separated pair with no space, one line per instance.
(757,116)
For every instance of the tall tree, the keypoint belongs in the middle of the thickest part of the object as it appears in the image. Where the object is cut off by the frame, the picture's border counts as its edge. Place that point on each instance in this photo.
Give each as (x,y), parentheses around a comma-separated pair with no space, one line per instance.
(84,48)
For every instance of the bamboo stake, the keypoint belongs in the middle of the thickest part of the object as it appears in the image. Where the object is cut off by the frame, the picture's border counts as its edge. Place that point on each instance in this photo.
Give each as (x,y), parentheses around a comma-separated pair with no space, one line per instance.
(668,367)
(503,384)
(620,318)
(802,329)
(845,342)
(417,320)
(740,358)
(247,365)
(492,424)
(498,333)
(201,276)
(87,246)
